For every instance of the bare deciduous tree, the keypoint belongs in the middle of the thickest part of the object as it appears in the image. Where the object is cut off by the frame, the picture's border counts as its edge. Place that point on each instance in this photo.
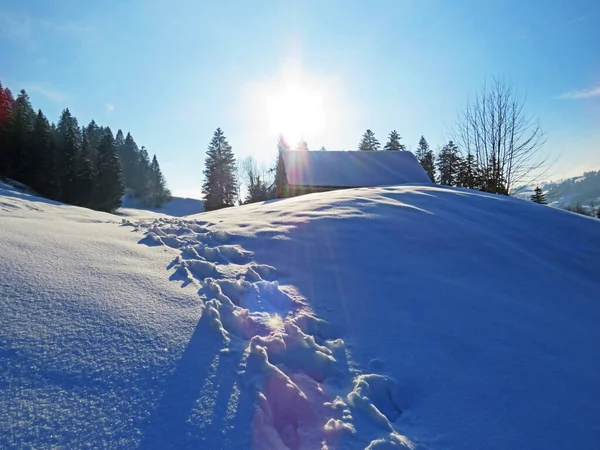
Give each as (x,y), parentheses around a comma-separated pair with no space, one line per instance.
(257,180)
(505,141)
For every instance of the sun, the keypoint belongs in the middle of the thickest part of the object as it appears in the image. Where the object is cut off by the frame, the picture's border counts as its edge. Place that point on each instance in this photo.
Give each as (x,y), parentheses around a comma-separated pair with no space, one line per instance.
(296,110)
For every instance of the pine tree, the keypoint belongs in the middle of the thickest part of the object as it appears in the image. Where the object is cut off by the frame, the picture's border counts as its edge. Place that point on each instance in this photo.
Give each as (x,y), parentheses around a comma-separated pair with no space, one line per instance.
(220,183)
(393,143)
(68,140)
(448,163)
(43,177)
(426,158)
(109,186)
(539,196)
(368,142)
(302,146)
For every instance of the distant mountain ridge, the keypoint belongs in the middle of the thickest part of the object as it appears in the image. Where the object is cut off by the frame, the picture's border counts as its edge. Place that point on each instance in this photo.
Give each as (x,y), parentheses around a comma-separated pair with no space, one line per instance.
(580,190)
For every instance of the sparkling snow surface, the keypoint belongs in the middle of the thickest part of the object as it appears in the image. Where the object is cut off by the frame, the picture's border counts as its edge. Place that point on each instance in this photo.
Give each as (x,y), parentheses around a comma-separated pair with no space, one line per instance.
(407,317)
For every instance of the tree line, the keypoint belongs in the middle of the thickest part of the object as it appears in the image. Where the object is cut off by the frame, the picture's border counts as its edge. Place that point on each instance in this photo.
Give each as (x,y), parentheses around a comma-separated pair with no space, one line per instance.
(81,165)
(495,146)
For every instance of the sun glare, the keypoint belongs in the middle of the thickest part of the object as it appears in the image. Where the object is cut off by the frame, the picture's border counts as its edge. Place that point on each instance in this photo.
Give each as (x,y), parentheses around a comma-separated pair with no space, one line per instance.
(295,110)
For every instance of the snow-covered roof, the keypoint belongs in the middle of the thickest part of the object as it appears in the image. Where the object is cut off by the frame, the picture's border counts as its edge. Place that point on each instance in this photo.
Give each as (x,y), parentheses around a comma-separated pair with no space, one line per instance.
(352,168)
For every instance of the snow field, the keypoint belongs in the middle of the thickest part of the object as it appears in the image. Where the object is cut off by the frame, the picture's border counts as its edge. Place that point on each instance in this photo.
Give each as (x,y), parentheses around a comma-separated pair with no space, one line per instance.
(306,394)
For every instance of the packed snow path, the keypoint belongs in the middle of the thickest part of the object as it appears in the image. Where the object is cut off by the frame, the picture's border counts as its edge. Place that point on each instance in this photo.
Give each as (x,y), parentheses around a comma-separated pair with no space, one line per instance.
(307,395)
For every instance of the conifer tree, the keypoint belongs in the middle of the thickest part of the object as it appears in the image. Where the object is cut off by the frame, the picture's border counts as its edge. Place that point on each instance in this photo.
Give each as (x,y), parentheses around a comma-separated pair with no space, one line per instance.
(539,196)
(68,137)
(426,158)
(448,163)
(109,188)
(368,142)
(220,181)
(43,176)
(6,104)
(302,146)
(393,143)
(19,137)
(258,190)
(144,187)
(282,145)
(467,172)
(158,189)
(129,159)
(85,174)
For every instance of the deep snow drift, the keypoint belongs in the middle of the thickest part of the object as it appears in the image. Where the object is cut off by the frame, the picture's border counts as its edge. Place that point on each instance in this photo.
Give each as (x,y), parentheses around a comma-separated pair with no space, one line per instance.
(400,317)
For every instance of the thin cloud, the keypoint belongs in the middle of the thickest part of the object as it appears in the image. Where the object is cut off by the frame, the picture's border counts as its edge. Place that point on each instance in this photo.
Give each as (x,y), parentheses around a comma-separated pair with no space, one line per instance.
(582,94)
(110,107)
(50,94)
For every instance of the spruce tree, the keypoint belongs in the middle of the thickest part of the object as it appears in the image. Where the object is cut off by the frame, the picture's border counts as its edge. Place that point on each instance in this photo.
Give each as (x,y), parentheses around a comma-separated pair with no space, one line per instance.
(302,146)
(426,158)
(43,179)
(539,196)
(144,188)
(258,190)
(158,189)
(393,143)
(448,163)
(129,154)
(6,104)
(68,139)
(85,174)
(19,139)
(467,172)
(109,188)
(220,183)
(282,145)
(368,142)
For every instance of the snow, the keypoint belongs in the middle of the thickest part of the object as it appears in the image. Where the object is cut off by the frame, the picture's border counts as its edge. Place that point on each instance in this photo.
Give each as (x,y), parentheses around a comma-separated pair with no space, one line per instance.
(353,168)
(393,317)
(177,207)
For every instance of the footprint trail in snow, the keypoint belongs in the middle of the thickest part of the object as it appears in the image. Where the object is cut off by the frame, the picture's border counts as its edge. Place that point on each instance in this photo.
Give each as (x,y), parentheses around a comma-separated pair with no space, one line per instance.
(306,395)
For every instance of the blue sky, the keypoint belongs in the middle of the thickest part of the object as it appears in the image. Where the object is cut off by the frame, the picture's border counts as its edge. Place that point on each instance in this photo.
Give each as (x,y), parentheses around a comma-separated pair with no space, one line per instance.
(171,72)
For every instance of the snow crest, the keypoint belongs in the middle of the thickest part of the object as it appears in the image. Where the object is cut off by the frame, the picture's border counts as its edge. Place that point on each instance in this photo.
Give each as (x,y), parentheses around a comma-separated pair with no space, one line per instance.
(306,394)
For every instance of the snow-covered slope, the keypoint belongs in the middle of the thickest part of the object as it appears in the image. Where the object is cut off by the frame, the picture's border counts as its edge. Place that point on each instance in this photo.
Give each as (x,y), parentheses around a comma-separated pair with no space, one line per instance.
(407,317)
(177,207)
(581,190)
